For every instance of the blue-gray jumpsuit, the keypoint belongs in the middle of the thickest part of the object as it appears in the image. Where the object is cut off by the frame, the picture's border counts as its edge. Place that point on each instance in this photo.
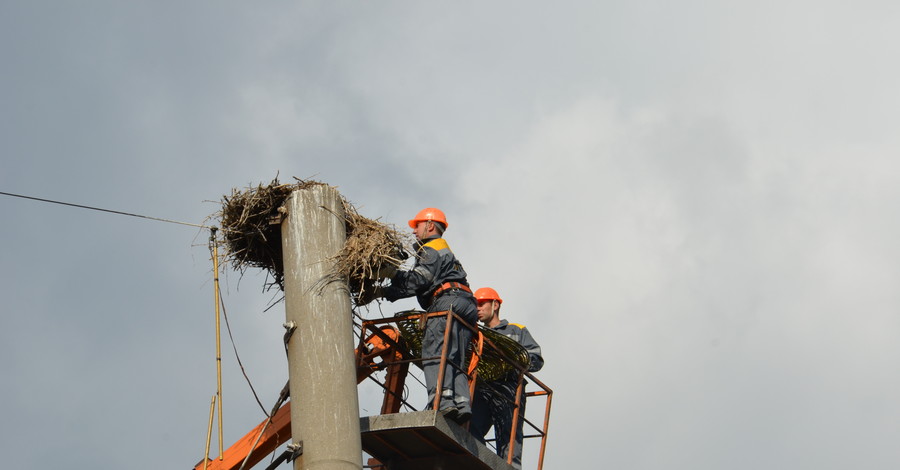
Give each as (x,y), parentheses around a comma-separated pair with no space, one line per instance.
(435,267)
(493,403)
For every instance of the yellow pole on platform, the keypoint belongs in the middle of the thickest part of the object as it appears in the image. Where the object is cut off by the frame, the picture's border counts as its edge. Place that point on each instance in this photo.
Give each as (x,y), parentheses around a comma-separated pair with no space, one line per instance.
(215,256)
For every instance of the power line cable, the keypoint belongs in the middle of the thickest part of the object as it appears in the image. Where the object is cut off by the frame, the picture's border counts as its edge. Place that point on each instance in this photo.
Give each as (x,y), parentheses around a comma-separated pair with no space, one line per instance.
(238,357)
(103,210)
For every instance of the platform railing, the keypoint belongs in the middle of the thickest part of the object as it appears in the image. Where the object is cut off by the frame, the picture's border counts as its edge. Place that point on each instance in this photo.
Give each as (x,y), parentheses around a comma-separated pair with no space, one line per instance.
(397,351)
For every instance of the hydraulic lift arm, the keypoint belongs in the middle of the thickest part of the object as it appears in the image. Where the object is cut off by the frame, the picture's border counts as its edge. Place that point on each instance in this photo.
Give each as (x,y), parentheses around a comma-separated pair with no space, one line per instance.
(275,431)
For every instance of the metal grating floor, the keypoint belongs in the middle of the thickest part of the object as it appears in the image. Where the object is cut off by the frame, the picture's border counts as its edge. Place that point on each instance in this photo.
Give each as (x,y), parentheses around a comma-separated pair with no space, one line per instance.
(424,440)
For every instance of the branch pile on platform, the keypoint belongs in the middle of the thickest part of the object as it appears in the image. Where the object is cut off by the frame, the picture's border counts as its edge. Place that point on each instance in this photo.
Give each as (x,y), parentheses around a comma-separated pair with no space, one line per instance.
(492,365)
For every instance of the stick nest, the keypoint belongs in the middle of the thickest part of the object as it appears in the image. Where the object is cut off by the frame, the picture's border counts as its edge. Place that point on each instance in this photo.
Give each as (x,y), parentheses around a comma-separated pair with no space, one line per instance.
(250,219)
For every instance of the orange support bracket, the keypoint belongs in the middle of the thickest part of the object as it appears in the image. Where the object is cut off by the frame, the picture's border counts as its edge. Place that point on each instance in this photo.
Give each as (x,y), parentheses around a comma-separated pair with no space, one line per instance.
(273,435)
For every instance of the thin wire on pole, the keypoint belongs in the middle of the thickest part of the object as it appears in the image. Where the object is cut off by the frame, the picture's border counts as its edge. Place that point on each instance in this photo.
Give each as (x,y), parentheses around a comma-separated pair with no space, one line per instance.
(103,210)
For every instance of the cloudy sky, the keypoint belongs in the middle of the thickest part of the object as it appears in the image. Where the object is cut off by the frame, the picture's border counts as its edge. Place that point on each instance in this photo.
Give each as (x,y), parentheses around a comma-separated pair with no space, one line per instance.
(692,206)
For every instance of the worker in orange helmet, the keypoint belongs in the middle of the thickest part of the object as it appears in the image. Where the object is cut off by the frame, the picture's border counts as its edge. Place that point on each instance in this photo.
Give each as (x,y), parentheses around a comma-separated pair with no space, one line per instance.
(438,281)
(494,402)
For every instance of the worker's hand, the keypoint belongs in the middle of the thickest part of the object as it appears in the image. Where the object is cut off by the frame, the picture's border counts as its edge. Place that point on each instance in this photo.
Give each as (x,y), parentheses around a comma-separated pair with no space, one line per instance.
(367,296)
(386,271)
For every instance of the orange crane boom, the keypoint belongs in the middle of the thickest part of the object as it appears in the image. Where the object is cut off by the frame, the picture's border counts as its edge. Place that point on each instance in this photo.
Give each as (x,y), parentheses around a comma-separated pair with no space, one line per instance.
(274,431)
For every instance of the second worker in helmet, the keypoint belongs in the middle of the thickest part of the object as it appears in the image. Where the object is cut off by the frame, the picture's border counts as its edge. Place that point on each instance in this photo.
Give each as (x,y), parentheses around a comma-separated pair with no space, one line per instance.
(494,403)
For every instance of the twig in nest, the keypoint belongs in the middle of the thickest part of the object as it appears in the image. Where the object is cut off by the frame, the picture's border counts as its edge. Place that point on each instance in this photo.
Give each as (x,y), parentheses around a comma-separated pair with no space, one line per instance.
(252,237)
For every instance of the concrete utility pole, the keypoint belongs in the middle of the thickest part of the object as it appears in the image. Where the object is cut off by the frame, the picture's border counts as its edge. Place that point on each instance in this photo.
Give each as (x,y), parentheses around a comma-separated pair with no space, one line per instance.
(322,372)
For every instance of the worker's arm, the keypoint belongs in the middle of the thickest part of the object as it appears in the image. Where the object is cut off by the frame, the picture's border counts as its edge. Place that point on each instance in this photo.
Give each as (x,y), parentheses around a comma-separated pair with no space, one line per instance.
(416,281)
(534,350)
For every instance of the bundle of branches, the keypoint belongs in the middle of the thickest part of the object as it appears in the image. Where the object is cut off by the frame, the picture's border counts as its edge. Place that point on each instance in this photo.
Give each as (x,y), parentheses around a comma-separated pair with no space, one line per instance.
(252,234)
(492,366)
(373,251)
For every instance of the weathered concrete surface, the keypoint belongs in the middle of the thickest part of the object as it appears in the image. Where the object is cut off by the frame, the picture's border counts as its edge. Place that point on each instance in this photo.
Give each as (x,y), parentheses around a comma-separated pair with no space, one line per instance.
(321,364)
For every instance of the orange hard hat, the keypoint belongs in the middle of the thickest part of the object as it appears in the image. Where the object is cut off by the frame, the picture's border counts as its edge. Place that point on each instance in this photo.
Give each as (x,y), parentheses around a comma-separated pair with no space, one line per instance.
(429,213)
(486,293)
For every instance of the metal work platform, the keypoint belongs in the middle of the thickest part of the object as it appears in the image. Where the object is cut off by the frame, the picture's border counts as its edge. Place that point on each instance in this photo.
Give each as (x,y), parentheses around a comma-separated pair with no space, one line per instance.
(424,440)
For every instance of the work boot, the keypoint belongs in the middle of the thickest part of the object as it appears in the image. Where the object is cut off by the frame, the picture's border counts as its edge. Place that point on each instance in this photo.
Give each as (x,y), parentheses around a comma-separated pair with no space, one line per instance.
(457,415)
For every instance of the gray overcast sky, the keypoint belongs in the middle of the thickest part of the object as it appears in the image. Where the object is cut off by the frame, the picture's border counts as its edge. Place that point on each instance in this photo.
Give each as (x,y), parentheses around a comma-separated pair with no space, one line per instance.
(692,206)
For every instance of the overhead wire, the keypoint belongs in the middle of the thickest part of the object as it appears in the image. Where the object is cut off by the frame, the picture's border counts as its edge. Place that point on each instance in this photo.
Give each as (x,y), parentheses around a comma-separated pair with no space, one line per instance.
(221,301)
(238,357)
(81,206)
(159,219)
